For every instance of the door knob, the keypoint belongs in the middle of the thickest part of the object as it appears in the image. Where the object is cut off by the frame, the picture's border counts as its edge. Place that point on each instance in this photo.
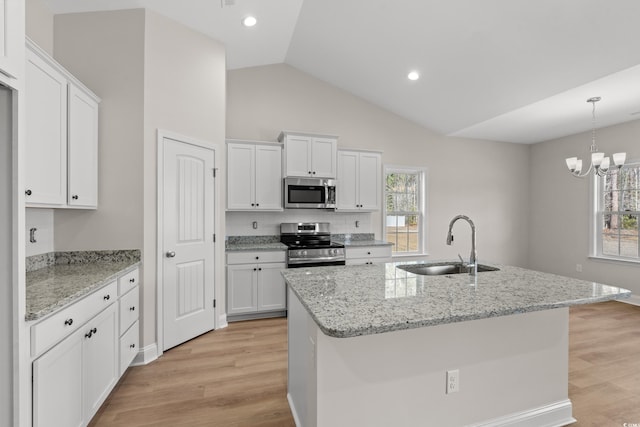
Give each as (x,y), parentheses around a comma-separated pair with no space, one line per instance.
(171,254)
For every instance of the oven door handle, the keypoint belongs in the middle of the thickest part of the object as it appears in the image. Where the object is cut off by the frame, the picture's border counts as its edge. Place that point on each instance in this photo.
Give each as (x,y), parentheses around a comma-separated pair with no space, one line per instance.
(317,259)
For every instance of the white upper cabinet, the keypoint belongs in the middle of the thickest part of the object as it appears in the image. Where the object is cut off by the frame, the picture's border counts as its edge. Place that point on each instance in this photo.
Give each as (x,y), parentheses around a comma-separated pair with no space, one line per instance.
(83,149)
(61,134)
(46,133)
(11,38)
(309,155)
(359,180)
(254,176)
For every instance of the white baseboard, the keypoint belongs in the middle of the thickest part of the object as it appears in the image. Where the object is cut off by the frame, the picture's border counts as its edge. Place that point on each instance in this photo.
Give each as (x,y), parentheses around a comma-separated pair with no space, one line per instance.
(633,300)
(553,415)
(222,321)
(146,355)
(296,418)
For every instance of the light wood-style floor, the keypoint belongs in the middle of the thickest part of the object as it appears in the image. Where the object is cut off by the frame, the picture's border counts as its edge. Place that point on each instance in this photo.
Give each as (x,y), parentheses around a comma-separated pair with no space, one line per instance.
(237,376)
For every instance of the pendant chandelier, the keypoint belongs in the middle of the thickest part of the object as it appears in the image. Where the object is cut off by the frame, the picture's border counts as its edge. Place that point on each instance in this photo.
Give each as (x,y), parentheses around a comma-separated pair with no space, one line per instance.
(599,162)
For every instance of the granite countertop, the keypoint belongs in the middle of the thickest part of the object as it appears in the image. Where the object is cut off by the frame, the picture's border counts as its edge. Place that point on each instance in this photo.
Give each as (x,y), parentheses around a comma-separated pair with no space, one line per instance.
(68,276)
(369,299)
(254,243)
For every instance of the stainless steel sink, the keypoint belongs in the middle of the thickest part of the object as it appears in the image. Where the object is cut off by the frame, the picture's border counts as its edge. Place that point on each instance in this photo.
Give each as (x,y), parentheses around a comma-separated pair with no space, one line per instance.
(443,269)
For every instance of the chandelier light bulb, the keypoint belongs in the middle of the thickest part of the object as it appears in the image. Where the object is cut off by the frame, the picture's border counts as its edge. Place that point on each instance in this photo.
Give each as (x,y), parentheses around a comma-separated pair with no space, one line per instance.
(571,163)
(604,166)
(619,159)
(596,158)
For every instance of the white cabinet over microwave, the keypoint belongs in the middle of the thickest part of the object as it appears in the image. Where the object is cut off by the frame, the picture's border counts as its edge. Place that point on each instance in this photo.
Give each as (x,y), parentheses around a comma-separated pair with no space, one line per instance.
(309,155)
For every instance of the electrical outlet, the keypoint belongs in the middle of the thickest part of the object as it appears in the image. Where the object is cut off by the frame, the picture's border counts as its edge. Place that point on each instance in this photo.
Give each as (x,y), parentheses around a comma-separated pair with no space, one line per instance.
(453,381)
(579,268)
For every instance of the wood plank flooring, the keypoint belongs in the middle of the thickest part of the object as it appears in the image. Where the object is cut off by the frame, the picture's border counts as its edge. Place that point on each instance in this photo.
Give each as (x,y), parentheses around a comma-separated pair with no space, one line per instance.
(237,376)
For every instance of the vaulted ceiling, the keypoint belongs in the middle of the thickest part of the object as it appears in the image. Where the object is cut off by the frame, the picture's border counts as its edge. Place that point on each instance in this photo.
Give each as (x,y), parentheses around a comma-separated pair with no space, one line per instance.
(507,70)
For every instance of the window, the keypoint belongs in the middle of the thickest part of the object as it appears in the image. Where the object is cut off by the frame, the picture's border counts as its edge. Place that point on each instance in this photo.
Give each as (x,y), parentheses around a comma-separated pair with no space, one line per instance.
(617,211)
(404,209)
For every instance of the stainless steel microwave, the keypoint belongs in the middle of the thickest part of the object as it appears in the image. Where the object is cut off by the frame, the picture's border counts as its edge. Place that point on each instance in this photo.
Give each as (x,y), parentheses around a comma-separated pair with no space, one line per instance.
(309,193)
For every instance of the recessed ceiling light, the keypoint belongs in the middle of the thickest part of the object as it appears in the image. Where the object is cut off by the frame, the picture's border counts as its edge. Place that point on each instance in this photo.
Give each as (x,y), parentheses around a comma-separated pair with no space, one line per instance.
(249,21)
(413,75)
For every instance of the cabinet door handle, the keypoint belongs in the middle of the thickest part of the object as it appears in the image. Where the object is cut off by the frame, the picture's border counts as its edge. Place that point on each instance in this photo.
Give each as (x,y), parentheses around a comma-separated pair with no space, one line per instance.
(28,192)
(132,346)
(133,280)
(107,297)
(68,322)
(90,333)
(132,308)
(74,197)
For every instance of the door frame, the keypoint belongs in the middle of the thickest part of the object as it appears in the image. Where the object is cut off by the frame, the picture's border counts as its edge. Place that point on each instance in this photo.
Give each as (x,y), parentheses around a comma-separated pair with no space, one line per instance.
(161,135)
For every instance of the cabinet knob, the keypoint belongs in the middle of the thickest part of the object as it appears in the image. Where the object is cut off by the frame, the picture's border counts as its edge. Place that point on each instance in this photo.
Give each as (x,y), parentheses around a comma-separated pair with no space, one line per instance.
(255,269)
(169,254)
(257,257)
(132,346)
(68,322)
(74,197)
(28,192)
(368,253)
(257,204)
(259,269)
(132,308)
(309,172)
(107,297)
(253,204)
(314,172)
(133,280)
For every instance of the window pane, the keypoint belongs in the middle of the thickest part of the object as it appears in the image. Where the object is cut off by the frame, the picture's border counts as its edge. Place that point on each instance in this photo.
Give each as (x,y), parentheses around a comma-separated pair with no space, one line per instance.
(630,200)
(610,235)
(629,236)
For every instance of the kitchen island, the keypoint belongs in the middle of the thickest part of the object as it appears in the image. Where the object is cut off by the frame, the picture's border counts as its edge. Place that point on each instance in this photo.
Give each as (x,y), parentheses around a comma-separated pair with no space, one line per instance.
(371,345)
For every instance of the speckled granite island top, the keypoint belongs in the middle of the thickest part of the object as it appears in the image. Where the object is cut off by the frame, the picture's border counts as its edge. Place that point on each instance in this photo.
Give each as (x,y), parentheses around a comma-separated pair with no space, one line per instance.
(58,279)
(369,299)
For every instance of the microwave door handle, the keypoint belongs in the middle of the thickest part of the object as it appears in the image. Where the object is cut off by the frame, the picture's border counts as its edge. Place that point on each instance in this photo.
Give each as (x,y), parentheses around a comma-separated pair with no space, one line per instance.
(326,195)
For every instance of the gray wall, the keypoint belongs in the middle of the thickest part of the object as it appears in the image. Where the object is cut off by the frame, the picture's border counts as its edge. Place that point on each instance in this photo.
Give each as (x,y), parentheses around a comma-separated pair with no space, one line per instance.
(560,207)
(6,260)
(151,73)
(486,180)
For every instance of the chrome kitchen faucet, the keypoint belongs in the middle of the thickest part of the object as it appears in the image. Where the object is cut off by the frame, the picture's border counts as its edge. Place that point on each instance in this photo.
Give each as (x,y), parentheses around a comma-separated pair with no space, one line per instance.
(473,259)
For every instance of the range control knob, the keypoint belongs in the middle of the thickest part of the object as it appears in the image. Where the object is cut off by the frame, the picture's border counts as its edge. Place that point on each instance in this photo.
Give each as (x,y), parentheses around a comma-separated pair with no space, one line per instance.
(303,253)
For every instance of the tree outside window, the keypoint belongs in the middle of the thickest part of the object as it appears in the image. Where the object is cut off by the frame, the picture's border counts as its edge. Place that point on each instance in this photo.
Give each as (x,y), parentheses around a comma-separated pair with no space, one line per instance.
(404,216)
(617,213)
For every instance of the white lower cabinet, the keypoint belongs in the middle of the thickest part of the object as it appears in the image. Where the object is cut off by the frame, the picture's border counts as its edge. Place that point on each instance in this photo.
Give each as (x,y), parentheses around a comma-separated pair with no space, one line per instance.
(255,284)
(81,352)
(367,254)
(71,380)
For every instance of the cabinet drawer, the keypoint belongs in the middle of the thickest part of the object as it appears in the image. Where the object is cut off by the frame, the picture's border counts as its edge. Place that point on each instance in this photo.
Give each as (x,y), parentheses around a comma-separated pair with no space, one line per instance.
(127,282)
(129,345)
(129,309)
(369,252)
(54,328)
(255,257)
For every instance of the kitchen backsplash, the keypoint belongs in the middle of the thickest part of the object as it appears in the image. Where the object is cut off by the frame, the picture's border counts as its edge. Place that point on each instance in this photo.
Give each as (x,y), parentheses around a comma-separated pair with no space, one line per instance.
(268,223)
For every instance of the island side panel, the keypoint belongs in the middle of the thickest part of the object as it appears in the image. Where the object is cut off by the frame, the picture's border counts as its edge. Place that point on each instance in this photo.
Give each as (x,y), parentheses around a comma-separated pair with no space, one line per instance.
(512,368)
(301,381)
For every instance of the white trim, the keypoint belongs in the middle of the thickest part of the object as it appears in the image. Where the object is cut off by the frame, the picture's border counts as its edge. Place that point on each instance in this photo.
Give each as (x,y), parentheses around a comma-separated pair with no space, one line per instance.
(633,300)
(161,135)
(146,355)
(554,415)
(222,321)
(294,413)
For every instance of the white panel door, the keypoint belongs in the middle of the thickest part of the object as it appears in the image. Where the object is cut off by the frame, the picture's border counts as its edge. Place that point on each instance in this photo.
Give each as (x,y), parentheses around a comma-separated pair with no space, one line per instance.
(188,227)
(347,192)
(370,181)
(83,149)
(268,179)
(46,133)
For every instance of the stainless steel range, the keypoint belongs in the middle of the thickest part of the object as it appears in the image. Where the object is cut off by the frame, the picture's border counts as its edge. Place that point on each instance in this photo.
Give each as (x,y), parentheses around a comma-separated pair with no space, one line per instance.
(310,245)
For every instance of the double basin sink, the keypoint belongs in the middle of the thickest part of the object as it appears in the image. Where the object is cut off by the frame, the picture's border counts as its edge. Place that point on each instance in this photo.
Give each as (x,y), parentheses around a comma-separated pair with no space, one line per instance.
(443,269)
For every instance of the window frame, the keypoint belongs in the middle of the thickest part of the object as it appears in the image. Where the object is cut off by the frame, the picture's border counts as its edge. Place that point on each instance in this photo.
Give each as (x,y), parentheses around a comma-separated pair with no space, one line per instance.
(422,207)
(596,218)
